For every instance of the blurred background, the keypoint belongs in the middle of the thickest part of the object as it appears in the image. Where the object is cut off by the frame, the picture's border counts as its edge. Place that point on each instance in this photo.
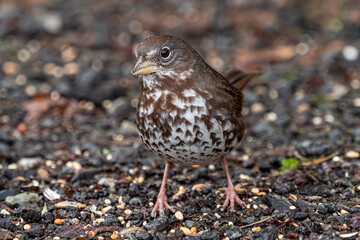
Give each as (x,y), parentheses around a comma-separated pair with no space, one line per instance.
(65,64)
(83,49)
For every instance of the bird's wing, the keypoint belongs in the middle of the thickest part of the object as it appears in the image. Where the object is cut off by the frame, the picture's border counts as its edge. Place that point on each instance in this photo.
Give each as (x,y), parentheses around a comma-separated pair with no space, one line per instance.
(240,79)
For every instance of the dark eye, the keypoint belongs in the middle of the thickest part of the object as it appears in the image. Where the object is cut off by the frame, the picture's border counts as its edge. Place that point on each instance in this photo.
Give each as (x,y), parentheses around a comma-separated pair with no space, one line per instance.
(165,52)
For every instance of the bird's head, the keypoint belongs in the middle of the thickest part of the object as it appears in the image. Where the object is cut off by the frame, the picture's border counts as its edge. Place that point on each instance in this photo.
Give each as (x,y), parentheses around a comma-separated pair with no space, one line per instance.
(165,57)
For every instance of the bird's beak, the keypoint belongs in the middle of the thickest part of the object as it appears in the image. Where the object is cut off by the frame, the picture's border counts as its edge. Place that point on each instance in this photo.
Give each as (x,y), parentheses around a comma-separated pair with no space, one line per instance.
(144,67)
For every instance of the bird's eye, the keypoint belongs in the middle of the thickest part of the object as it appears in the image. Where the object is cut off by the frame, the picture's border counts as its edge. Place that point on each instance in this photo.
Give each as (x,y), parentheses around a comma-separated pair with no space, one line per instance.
(165,52)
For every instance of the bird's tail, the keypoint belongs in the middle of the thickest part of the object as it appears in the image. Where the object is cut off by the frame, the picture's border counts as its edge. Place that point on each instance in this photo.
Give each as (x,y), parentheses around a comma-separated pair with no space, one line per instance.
(240,79)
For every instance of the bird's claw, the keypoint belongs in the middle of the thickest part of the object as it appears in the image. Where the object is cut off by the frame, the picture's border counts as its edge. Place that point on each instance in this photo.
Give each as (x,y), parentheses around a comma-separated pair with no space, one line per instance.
(161,205)
(232,198)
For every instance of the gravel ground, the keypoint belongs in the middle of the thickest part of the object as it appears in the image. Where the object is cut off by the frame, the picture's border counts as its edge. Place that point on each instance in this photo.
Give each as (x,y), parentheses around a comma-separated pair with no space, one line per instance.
(72,166)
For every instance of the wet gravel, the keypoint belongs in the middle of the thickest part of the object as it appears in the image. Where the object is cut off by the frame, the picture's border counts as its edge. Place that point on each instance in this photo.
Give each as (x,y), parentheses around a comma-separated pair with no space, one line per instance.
(72,166)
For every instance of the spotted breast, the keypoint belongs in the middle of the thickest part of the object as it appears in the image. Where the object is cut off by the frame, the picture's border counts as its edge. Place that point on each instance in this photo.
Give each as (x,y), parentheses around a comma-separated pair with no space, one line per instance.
(182,125)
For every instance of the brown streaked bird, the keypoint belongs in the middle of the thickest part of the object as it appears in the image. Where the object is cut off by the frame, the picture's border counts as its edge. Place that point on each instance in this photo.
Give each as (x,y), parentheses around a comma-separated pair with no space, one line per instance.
(187,112)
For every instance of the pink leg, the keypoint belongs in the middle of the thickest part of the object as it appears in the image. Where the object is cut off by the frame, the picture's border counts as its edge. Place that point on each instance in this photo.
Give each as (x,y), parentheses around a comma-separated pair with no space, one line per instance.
(161,202)
(231,195)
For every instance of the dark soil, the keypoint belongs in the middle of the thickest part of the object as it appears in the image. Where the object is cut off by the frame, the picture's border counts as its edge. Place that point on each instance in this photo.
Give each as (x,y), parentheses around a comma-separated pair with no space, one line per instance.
(72,165)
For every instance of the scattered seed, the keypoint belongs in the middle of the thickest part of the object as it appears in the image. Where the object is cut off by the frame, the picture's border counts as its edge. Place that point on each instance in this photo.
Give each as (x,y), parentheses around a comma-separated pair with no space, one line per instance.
(106,209)
(22,128)
(181,191)
(348,235)
(27,227)
(293,197)
(179,215)
(185,230)
(199,187)
(121,206)
(114,236)
(139,180)
(352,154)
(343,211)
(58,221)
(256,229)
(107,201)
(91,234)
(255,191)
(193,230)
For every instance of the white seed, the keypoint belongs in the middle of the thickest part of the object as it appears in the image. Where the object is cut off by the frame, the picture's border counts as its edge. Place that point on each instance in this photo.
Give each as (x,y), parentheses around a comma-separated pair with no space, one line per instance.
(179,215)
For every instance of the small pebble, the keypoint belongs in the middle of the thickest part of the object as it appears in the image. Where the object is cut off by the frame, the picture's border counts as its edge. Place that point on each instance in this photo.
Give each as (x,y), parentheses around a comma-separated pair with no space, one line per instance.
(317,121)
(107,201)
(313,198)
(350,53)
(355,84)
(303,107)
(27,227)
(356,102)
(271,117)
(257,107)
(10,68)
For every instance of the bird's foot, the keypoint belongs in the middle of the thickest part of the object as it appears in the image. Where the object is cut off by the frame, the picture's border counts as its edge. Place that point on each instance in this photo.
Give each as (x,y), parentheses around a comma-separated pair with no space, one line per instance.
(232,198)
(161,205)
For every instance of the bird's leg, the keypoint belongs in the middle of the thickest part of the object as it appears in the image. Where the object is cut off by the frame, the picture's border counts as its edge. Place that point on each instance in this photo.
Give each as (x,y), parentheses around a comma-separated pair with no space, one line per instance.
(161,202)
(231,196)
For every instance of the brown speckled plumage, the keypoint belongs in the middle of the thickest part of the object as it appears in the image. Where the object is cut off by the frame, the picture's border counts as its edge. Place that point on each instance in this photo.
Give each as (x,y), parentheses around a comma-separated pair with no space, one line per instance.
(187,112)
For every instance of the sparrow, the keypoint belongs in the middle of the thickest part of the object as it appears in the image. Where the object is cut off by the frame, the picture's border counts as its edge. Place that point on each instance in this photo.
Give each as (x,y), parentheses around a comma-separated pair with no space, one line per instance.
(187,112)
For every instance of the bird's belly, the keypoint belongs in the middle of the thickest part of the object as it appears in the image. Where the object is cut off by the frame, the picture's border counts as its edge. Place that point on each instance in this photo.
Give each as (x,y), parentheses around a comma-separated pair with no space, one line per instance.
(187,135)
